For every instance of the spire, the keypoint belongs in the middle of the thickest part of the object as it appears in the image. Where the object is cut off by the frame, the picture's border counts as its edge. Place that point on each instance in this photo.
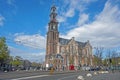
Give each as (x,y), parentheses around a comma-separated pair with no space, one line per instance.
(53,23)
(53,14)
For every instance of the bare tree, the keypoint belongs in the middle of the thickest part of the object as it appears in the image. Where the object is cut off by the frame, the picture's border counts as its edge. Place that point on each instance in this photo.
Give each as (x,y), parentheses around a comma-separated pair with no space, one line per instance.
(108,57)
(113,57)
(99,55)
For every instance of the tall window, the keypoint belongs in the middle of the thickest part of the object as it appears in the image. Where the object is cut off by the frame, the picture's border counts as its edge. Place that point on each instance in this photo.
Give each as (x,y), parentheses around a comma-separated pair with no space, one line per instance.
(62,49)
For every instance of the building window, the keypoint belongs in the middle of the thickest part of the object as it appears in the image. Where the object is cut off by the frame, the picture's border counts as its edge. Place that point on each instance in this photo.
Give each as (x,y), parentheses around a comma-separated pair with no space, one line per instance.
(62,49)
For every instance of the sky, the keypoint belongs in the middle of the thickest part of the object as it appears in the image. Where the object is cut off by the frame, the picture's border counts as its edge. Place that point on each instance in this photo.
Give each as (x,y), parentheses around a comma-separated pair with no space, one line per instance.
(24,23)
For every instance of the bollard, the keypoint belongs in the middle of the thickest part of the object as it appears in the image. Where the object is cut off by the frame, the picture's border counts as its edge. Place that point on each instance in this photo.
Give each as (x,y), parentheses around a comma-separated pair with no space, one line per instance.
(95,73)
(51,71)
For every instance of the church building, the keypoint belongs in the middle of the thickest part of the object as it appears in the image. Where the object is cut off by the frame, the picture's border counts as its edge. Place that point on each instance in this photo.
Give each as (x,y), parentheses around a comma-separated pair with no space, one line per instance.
(61,53)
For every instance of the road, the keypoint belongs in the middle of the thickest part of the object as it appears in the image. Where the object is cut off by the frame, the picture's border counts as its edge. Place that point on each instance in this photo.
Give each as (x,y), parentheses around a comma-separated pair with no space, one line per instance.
(39,75)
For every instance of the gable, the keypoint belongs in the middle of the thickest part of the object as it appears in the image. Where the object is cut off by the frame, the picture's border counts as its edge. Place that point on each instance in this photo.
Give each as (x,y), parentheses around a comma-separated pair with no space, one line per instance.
(72,41)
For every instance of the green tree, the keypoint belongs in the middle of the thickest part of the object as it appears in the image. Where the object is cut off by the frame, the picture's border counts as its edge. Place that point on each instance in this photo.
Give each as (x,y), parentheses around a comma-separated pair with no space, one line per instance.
(105,62)
(4,52)
(96,60)
(35,64)
(17,61)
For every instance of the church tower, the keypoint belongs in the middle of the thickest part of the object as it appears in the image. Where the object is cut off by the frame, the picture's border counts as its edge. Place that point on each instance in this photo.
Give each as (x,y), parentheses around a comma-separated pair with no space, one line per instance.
(52,36)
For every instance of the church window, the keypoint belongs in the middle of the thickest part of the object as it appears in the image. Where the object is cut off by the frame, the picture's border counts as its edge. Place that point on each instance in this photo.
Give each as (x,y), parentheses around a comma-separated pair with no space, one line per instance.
(62,50)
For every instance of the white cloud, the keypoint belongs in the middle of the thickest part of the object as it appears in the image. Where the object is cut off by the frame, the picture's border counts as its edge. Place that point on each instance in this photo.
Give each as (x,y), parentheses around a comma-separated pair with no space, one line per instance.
(36,57)
(15,51)
(26,54)
(34,41)
(2,20)
(61,19)
(83,18)
(70,13)
(88,1)
(69,8)
(104,31)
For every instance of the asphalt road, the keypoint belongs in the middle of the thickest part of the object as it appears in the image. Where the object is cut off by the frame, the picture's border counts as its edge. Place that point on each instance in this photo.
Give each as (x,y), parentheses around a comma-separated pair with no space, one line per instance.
(39,75)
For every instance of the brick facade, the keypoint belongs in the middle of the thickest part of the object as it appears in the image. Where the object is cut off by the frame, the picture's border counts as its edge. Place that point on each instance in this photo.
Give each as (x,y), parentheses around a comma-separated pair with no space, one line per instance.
(60,52)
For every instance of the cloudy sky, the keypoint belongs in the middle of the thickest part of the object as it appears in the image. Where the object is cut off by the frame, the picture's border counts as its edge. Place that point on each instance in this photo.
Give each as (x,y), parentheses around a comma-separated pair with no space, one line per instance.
(24,23)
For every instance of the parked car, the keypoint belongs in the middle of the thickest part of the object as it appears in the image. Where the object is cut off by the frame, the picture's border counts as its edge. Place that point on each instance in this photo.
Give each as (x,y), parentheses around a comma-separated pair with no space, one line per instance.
(86,68)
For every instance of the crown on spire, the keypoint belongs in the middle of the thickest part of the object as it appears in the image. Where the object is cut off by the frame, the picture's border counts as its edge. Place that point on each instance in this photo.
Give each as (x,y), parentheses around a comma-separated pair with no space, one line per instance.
(53,9)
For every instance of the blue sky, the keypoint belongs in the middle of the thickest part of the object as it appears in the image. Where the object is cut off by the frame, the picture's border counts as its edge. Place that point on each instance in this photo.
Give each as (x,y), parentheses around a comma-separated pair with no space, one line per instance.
(24,24)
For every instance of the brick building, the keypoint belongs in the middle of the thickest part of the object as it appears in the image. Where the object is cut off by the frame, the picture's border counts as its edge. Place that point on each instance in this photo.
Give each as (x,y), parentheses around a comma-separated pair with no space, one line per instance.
(60,52)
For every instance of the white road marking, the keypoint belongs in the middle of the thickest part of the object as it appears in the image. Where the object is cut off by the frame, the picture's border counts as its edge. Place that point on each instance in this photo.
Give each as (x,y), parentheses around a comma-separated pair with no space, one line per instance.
(30,77)
(89,75)
(67,77)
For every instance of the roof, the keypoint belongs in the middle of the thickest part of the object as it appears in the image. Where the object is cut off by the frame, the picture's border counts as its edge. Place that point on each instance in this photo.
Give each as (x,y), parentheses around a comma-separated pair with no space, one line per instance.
(81,44)
(63,41)
(66,41)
